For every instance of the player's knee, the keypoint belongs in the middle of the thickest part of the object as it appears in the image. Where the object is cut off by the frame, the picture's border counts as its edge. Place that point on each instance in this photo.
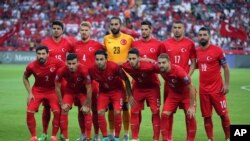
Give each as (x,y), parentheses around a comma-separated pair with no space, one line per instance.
(125,106)
(101,112)
(167,113)
(117,112)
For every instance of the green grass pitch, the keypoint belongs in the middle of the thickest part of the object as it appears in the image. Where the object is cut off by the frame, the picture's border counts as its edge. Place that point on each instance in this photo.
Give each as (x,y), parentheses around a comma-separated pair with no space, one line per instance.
(13,109)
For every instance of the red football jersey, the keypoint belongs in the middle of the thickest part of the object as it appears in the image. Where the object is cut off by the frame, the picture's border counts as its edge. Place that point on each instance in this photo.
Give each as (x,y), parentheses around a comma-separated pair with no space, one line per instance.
(177,80)
(44,74)
(59,49)
(110,78)
(149,49)
(180,51)
(86,51)
(145,76)
(75,81)
(209,62)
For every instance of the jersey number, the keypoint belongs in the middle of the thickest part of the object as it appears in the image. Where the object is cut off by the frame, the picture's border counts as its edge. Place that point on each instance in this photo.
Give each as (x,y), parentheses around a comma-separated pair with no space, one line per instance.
(84,57)
(116,50)
(203,67)
(177,59)
(59,57)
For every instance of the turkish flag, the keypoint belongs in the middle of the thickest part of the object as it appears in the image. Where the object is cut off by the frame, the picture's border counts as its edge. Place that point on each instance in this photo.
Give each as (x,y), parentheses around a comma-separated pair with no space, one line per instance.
(227,30)
(12,31)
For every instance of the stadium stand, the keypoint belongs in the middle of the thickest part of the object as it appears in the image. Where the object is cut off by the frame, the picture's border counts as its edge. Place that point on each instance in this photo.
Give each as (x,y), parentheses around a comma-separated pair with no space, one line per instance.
(24,23)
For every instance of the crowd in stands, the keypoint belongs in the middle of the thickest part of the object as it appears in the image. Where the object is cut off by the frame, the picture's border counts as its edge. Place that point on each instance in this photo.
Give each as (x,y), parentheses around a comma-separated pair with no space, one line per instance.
(34,17)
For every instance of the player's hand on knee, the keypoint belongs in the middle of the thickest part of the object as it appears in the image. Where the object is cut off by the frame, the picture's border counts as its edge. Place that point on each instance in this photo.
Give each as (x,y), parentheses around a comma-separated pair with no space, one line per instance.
(30,97)
(131,101)
(65,107)
(85,109)
(191,112)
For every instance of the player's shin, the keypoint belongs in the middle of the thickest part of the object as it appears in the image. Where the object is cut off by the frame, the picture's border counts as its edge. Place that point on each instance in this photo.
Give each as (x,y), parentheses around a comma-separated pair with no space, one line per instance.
(31,123)
(111,121)
(135,125)
(208,123)
(81,121)
(88,125)
(55,123)
(225,121)
(156,125)
(191,126)
(102,124)
(126,119)
(46,118)
(118,122)
(64,124)
(165,121)
(95,121)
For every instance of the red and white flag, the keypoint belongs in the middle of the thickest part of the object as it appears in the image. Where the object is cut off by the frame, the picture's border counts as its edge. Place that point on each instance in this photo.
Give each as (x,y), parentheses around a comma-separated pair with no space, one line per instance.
(12,31)
(227,30)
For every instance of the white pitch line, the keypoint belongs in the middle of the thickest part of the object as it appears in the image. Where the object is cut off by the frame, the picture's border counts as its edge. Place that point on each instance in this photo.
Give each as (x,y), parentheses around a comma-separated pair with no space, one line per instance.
(247,87)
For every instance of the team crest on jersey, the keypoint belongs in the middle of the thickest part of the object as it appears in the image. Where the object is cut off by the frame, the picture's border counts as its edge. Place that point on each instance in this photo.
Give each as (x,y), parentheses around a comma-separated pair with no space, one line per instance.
(52,69)
(110,77)
(209,58)
(183,50)
(78,79)
(63,49)
(152,50)
(174,81)
(123,42)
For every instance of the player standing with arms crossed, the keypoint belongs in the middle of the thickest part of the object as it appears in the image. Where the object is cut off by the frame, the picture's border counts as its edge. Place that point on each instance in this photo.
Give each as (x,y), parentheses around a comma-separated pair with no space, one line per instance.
(210,59)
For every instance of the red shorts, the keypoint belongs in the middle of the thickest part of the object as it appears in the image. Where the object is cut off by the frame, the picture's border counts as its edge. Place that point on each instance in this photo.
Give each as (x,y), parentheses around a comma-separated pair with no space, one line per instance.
(50,97)
(77,99)
(63,87)
(115,97)
(150,95)
(172,103)
(218,101)
(95,91)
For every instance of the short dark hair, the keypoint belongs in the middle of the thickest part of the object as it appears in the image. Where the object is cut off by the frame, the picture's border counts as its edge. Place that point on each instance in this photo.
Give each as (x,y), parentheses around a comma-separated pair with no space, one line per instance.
(134,51)
(58,23)
(42,48)
(205,29)
(116,18)
(164,55)
(178,22)
(101,52)
(71,56)
(146,22)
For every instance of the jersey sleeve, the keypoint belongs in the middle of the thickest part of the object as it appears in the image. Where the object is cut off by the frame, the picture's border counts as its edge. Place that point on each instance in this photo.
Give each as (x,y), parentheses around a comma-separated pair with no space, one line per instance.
(185,78)
(87,78)
(192,51)
(28,71)
(222,57)
(59,75)
(105,42)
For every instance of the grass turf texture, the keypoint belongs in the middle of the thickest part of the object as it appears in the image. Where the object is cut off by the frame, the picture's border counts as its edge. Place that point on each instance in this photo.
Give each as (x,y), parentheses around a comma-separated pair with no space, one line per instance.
(13,109)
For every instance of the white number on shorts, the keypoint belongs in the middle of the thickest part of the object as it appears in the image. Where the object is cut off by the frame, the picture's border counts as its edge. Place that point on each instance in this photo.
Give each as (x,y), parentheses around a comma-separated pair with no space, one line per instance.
(223,104)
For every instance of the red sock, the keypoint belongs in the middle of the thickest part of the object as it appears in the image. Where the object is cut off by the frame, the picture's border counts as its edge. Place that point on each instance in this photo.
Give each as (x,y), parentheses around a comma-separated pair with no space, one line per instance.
(55,123)
(209,127)
(140,119)
(81,121)
(191,126)
(165,122)
(170,127)
(64,125)
(135,124)
(88,125)
(46,118)
(117,122)
(95,120)
(156,125)
(31,123)
(103,125)
(226,125)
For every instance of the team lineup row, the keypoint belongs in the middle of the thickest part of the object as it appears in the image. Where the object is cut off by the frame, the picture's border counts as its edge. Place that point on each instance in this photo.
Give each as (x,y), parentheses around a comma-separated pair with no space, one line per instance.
(94,79)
